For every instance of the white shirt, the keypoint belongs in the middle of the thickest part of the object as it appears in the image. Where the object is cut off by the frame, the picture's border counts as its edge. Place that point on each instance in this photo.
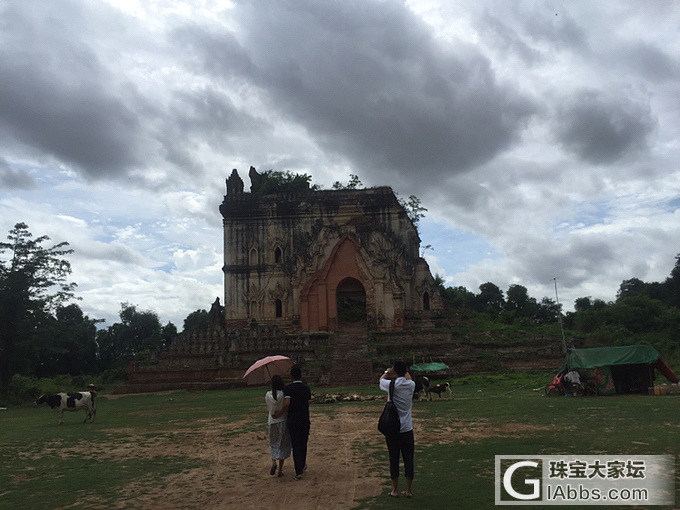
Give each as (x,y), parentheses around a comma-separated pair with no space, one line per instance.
(275,405)
(403,399)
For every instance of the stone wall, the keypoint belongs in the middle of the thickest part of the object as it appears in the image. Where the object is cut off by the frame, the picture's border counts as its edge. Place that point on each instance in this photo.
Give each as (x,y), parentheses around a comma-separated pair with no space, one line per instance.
(537,352)
(219,358)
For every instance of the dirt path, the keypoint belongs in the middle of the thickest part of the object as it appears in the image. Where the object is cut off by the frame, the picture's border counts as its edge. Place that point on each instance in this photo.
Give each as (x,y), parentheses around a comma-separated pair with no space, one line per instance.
(234,470)
(335,478)
(234,465)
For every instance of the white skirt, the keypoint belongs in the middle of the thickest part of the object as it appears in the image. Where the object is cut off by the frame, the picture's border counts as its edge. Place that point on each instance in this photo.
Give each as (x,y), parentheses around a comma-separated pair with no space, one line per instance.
(279,440)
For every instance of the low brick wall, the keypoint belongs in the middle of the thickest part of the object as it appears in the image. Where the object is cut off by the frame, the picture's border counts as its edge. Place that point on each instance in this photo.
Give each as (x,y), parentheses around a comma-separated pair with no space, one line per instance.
(332,359)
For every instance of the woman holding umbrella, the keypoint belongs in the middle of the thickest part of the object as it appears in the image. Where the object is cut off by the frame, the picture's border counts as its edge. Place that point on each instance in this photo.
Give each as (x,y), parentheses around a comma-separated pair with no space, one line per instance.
(279,437)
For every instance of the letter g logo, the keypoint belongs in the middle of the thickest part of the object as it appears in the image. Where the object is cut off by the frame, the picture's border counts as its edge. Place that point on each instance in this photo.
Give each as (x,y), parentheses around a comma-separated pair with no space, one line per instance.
(507,481)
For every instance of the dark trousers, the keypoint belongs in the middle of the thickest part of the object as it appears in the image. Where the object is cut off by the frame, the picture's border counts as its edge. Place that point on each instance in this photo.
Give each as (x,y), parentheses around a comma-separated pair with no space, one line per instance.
(299,435)
(404,445)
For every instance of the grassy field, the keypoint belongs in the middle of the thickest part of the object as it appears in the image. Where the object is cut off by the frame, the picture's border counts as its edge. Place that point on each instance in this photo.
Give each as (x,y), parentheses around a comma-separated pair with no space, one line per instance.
(460,474)
(44,465)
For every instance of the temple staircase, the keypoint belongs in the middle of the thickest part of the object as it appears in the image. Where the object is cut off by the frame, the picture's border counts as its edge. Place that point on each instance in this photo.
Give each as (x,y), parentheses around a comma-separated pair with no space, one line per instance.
(351,363)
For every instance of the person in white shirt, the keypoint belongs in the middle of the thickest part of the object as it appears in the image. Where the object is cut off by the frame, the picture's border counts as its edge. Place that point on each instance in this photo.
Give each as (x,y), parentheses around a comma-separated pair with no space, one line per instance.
(402,444)
(279,437)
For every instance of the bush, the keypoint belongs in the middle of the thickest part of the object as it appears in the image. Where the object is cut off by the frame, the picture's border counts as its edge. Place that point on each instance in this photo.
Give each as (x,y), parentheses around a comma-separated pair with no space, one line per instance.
(26,389)
(113,375)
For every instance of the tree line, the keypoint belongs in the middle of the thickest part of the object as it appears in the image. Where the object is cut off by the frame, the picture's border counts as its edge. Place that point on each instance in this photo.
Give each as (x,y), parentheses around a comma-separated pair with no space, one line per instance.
(43,333)
(514,306)
(642,312)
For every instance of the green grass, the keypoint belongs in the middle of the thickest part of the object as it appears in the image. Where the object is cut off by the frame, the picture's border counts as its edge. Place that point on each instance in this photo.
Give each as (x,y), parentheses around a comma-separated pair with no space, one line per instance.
(460,474)
(455,444)
(32,478)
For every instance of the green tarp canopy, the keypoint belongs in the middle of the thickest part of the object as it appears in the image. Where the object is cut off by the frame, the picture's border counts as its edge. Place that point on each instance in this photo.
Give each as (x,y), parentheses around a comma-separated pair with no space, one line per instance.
(610,356)
(624,369)
(428,367)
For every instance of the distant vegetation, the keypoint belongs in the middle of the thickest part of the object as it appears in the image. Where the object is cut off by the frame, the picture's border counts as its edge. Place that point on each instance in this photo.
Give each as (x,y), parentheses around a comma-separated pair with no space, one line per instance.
(641,313)
(43,335)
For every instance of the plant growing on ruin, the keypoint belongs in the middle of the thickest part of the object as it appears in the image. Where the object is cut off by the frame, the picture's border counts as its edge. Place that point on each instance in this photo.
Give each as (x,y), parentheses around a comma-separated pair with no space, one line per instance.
(270,182)
(353,183)
(414,209)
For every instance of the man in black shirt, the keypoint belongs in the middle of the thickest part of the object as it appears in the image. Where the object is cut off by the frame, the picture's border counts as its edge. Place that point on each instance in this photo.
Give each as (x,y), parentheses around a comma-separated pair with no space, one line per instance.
(297,395)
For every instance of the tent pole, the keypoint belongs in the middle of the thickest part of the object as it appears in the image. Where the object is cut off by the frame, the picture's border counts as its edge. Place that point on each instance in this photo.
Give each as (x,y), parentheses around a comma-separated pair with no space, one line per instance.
(559,318)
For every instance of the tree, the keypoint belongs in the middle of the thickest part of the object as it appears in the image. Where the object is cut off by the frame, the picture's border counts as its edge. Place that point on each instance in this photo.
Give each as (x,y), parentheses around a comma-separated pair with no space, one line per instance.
(547,311)
(65,344)
(137,332)
(490,298)
(143,328)
(518,300)
(599,304)
(196,321)
(168,334)
(32,285)
(631,287)
(458,298)
(582,304)
(638,313)
(672,285)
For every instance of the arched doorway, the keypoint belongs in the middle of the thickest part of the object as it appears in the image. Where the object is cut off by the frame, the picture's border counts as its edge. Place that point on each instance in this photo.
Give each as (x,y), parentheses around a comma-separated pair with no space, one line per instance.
(351,303)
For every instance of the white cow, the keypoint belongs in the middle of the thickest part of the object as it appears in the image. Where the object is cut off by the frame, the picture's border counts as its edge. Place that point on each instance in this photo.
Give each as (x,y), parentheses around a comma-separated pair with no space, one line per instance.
(71,402)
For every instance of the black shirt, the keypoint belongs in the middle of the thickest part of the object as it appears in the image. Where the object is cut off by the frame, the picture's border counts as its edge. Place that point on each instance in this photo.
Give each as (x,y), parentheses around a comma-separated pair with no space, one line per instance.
(299,394)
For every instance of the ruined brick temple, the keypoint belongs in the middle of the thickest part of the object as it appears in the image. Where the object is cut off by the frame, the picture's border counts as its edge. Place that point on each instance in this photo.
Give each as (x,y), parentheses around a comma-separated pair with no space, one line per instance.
(308,274)
(322,260)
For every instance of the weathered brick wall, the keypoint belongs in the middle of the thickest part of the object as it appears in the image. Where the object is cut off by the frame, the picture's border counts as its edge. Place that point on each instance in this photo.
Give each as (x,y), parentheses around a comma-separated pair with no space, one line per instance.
(218,359)
(462,356)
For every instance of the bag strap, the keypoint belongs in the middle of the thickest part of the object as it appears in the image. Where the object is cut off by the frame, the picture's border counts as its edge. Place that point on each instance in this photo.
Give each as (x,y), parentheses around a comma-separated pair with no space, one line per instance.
(391,389)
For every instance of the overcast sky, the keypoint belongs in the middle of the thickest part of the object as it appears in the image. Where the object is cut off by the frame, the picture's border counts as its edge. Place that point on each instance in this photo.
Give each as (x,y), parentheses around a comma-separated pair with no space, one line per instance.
(543,137)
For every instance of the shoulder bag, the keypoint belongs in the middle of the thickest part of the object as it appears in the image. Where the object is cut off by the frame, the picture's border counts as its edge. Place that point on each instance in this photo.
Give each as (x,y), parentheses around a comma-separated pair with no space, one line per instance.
(389,423)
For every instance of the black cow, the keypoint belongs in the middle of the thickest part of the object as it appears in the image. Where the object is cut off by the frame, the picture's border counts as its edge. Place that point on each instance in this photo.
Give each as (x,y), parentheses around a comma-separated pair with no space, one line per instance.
(422,385)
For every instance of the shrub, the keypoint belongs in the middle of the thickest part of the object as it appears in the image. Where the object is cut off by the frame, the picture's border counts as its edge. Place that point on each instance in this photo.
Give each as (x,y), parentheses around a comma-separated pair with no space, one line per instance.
(113,375)
(26,389)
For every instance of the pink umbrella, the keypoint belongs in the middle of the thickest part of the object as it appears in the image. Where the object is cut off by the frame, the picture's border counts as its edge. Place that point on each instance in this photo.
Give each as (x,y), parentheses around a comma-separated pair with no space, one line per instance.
(262,370)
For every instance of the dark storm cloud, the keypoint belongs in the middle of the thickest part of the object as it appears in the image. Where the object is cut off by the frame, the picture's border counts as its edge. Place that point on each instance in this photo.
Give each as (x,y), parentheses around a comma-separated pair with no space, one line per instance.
(222,54)
(647,61)
(206,116)
(213,114)
(55,92)
(368,79)
(11,178)
(600,129)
